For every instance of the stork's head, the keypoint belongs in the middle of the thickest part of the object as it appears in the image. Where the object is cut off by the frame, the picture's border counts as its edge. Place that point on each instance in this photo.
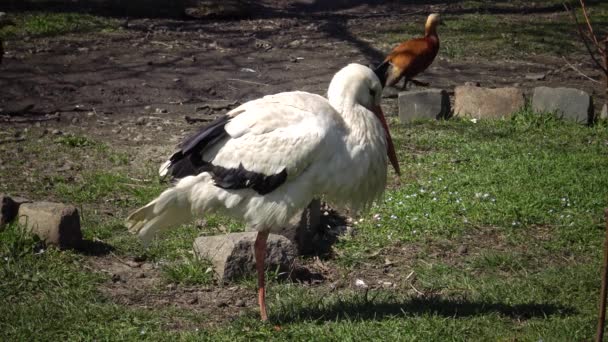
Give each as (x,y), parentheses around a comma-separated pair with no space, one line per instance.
(361,85)
(431,23)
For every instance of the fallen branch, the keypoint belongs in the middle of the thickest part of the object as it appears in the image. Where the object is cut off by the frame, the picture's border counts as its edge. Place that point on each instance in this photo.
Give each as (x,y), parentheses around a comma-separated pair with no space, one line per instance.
(584,39)
(249,82)
(577,70)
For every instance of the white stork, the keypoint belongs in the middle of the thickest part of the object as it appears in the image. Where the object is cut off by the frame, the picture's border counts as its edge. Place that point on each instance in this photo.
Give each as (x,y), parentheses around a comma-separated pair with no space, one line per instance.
(268,158)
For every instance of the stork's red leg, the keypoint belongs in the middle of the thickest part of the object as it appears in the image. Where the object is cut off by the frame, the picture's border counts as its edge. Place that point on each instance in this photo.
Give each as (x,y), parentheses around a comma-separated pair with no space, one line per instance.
(260,255)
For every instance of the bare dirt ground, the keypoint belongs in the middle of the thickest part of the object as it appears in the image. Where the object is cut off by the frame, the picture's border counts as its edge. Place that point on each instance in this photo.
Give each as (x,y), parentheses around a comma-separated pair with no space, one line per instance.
(165,69)
(134,88)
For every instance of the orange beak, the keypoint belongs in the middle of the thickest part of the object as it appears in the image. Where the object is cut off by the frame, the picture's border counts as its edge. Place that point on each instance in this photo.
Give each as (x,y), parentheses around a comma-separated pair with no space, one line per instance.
(392,156)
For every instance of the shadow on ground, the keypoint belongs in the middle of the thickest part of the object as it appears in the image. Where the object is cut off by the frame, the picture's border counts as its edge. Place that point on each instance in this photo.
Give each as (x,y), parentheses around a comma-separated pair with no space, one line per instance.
(361,309)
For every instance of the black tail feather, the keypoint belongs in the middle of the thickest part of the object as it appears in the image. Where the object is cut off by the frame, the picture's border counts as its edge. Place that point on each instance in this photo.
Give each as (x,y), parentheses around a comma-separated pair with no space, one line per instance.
(382,72)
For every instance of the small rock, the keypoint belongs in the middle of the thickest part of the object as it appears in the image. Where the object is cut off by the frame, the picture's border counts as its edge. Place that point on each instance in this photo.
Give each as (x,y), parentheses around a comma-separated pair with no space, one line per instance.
(221,304)
(472,84)
(462,249)
(56,132)
(140,120)
(361,284)
(83,49)
(55,223)
(193,300)
(115,278)
(161,111)
(177,80)
(297,43)
(536,76)
(239,303)
(75,120)
(133,264)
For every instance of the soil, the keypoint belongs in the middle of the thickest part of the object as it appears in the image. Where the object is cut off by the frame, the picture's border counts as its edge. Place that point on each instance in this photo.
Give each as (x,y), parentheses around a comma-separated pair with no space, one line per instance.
(134,88)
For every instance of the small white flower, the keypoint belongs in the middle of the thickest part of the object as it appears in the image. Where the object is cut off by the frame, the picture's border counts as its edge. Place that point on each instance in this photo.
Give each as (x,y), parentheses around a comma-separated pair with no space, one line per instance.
(414,231)
(361,284)
(473,120)
(465,220)
(422,190)
(434,198)
(393,217)
(377,217)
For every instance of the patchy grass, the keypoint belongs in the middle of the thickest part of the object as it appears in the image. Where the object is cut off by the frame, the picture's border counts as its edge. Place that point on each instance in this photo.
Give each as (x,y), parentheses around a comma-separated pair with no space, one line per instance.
(478,33)
(47,24)
(524,196)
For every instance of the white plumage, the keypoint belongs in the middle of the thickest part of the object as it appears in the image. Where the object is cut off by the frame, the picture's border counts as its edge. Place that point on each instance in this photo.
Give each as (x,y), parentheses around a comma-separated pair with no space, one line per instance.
(335,148)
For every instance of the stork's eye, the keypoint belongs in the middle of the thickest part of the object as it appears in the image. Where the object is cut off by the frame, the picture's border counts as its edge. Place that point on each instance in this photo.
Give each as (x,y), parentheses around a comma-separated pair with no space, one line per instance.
(372,93)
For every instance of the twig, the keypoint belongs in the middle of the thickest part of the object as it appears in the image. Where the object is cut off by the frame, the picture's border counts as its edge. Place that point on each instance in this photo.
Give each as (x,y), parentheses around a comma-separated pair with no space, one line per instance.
(584,39)
(161,43)
(590,28)
(417,291)
(250,82)
(580,72)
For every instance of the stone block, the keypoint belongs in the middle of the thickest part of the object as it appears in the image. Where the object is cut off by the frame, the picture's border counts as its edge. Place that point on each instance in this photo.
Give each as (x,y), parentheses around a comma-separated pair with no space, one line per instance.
(568,103)
(423,104)
(55,223)
(486,103)
(232,254)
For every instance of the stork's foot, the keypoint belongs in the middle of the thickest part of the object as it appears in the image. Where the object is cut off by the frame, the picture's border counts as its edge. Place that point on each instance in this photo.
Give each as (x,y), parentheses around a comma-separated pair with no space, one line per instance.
(420,83)
(260,255)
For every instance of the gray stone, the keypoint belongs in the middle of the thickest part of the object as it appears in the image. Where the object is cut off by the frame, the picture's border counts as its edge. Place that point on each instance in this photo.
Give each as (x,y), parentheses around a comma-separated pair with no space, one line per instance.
(569,103)
(479,102)
(55,223)
(303,229)
(232,254)
(604,113)
(423,104)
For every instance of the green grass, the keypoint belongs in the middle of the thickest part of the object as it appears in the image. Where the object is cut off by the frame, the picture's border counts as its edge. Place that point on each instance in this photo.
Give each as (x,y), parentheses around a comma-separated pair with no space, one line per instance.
(47,24)
(501,35)
(526,195)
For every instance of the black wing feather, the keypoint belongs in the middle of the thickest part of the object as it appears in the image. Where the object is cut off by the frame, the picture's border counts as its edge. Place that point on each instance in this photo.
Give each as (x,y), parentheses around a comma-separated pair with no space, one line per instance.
(188,161)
